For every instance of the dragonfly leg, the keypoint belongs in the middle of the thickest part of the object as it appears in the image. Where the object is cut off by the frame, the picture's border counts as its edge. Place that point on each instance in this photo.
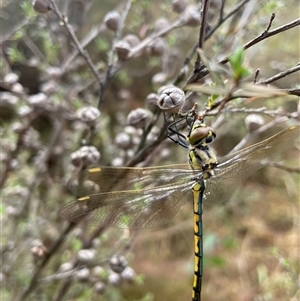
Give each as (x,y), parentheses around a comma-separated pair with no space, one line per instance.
(172,129)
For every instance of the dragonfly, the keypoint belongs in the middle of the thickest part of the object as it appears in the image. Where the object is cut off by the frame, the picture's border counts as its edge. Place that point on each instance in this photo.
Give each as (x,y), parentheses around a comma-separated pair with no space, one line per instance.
(149,197)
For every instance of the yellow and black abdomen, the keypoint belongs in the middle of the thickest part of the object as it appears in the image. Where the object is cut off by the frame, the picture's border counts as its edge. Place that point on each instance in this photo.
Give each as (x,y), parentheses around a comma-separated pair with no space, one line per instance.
(198,190)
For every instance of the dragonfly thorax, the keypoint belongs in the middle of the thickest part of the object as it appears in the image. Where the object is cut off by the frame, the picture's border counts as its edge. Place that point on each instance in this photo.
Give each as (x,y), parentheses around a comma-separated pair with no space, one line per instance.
(203,159)
(201,156)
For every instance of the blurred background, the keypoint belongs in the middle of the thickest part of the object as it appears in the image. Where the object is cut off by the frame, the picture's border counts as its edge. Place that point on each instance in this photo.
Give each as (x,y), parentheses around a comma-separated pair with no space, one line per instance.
(61,109)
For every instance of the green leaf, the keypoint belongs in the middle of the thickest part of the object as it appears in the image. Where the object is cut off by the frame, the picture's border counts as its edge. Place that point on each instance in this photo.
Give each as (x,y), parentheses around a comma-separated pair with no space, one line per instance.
(15,55)
(1,210)
(236,61)
(18,34)
(28,9)
(214,261)
(229,243)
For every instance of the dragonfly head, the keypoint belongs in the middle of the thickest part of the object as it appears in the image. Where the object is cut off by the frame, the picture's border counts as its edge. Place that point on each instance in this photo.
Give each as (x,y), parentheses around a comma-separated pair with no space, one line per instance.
(200,134)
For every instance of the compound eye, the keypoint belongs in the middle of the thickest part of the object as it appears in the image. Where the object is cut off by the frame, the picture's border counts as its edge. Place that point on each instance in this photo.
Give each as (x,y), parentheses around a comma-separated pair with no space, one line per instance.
(201,133)
(210,137)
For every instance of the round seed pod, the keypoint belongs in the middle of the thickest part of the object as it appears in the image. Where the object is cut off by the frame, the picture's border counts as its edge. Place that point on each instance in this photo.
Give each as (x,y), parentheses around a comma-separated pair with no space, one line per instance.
(114,279)
(86,255)
(88,115)
(254,122)
(18,88)
(37,249)
(11,78)
(83,274)
(191,16)
(138,118)
(53,72)
(90,154)
(128,274)
(112,20)
(98,272)
(179,6)
(123,141)
(85,155)
(162,88)
(122,49)
(157,48)
(132,40)
(118,263)
(159,78)
(161,24)
(150,101)
(171,99)
(49,87)
(41,6)
(117,161)
(38,99)
(99,287)
(65,267)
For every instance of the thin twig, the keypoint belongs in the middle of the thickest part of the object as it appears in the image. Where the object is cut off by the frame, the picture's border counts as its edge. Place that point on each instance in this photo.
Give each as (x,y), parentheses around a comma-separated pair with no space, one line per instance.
(85,41)
(204,15)
(263,110)
(146,42)
(203,24)
(285,168)
(270,22)
(264,35)
(207,36)
(222,10)
(257,71)
(69,28)
(293,91)
(280,75)
(222,20)
(109,74)
(201,72)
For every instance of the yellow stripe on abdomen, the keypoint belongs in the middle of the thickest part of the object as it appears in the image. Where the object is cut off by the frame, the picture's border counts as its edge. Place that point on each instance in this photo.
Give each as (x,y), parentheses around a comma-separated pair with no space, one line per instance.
(196,295)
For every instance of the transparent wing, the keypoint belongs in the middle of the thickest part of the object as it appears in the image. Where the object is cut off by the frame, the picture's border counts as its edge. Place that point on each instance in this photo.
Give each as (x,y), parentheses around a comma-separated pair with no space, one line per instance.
(128,197)
(150,197)
(109,179)
(234,168)
(136,209)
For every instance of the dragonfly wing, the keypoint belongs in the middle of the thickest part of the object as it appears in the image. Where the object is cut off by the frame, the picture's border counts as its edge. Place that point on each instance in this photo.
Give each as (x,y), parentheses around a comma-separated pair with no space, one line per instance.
(137,209)
(108,179)
(266,150)
(220,187)
(234,168)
